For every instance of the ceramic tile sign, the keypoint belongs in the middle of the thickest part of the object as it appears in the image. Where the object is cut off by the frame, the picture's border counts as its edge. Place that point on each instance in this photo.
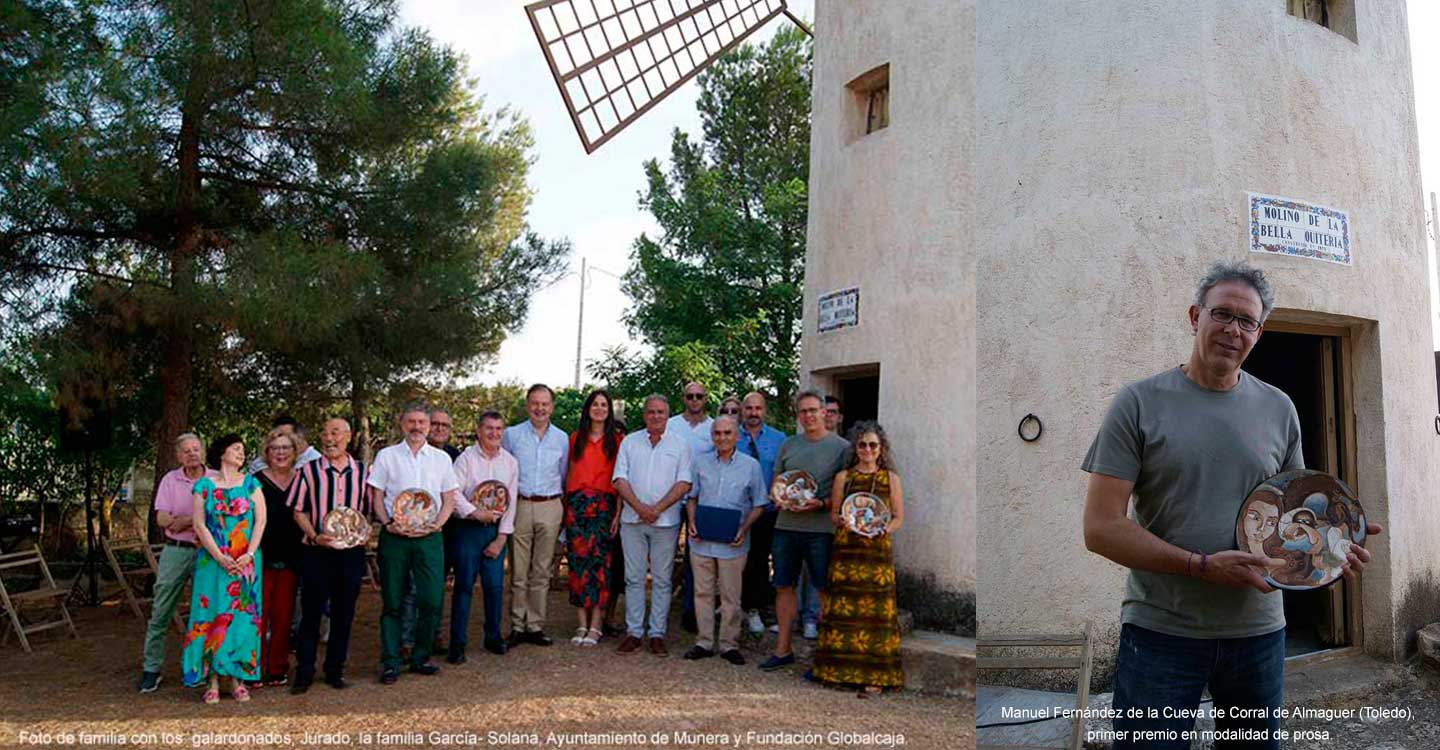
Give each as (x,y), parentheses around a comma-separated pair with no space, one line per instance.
(1285,226)
(838,310)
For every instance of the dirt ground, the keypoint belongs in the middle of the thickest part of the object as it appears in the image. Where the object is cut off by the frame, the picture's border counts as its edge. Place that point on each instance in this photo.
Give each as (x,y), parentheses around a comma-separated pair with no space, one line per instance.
(83,694)
(1349,727)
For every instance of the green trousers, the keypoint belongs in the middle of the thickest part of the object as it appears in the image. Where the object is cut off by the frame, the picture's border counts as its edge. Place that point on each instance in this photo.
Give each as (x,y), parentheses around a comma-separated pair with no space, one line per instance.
(177,564)
(424,558)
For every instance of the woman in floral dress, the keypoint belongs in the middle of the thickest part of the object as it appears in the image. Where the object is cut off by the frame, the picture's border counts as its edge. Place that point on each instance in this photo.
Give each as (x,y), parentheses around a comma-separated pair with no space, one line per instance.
(859,644)
(592,514)
(224,633)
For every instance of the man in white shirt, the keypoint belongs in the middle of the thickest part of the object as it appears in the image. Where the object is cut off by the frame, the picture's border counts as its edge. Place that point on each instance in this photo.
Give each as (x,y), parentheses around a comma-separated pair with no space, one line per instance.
(652,476)
(694,425)
(542,450)
(413,464)
(475,538)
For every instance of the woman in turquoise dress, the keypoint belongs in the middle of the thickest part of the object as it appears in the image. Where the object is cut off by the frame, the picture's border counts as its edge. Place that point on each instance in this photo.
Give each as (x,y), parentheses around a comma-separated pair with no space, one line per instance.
(224,633)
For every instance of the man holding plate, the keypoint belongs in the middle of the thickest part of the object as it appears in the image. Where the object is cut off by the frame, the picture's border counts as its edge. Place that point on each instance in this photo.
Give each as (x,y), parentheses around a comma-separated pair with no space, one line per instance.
(804,535)
(1190,444)
(727,498)
(475,543)
(328,573)
(411,544)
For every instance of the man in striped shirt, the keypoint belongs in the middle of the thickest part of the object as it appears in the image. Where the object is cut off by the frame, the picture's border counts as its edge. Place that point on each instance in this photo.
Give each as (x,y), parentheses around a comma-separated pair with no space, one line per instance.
(335,480)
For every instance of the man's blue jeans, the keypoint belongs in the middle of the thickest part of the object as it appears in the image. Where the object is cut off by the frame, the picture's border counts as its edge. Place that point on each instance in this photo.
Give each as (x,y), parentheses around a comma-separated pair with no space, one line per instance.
(1158,671)
(466,551)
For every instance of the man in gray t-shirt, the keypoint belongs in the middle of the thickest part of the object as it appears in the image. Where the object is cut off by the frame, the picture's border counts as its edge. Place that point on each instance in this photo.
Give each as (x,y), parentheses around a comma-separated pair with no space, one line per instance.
(1190,444)
(803,538)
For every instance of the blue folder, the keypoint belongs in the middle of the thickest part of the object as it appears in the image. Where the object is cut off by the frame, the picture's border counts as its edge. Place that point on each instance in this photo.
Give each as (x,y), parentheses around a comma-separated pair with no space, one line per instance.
(715,524)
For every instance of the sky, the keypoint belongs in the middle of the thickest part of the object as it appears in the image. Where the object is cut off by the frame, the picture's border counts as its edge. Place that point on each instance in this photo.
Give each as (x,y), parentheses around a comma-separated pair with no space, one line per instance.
(593,200)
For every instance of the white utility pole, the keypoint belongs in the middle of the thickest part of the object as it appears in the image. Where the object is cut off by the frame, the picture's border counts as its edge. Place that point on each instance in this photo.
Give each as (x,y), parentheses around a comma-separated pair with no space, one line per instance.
(580,325)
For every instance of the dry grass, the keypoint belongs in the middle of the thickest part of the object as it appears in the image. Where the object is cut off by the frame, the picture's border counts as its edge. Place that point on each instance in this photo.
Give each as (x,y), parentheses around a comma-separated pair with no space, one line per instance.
(90,686)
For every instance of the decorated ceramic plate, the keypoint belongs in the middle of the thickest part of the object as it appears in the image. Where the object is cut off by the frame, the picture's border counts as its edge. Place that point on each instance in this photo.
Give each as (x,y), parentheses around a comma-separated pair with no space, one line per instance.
(1308,519)
(491,494)
(346,527)
(794,490)
(865,514)
(415,508)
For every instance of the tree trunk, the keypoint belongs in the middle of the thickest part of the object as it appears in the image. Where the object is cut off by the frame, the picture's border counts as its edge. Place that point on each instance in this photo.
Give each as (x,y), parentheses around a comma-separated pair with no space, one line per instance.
(360,415)
(177,376)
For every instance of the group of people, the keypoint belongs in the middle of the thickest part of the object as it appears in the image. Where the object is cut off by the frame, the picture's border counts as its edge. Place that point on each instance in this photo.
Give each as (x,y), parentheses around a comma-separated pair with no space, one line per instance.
(253,541)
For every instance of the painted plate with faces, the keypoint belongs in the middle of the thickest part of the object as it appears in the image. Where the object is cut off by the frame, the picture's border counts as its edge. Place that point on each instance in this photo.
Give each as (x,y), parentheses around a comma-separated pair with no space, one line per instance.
(491,494)
(415,508)
(1307,519)
(865,514)
(794,490)
(346,528)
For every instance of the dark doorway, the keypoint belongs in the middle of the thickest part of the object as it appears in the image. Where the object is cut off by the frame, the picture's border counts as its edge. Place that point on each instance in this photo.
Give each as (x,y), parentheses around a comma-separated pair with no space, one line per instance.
(1307,368)
(859,398)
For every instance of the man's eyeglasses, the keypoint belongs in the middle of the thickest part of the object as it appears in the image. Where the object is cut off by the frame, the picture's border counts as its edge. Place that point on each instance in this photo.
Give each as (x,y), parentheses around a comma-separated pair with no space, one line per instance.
(730,412)
(694,396)
(1224,317)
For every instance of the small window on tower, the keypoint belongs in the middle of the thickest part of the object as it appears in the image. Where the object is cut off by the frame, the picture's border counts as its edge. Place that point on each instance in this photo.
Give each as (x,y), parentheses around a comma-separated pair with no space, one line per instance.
(1336,15)
(870,97)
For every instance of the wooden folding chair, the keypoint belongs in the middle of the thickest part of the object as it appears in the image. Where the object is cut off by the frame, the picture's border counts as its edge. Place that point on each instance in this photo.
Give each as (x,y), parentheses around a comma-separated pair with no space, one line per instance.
(46,592)
(129,578)
(1081,642)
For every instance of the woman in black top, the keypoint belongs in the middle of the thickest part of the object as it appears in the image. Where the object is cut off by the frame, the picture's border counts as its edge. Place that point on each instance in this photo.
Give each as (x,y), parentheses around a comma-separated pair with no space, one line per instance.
(280,549)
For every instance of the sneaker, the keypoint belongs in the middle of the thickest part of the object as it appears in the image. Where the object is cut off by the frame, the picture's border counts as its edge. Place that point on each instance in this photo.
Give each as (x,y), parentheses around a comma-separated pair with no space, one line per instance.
(812,631)
(734,657)
(697,652)
(753,623)
(149,682)
(776,662)
(630,645)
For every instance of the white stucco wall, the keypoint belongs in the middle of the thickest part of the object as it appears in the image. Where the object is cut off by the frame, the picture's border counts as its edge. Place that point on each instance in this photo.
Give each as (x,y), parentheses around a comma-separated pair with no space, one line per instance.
(893,213)
(1116,143)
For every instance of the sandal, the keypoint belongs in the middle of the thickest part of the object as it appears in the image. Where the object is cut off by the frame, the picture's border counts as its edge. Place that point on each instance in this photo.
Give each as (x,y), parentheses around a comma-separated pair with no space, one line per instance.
(579,638)
(592,639)
(240,694)
(211,696)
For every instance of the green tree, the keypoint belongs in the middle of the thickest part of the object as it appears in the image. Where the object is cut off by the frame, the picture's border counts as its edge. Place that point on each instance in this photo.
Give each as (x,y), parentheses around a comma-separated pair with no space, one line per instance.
(717,293)
(181,152)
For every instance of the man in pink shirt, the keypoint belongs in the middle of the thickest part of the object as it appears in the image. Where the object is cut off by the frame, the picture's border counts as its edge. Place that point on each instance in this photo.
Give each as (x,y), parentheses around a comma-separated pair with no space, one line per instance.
(475,537)
(173,513)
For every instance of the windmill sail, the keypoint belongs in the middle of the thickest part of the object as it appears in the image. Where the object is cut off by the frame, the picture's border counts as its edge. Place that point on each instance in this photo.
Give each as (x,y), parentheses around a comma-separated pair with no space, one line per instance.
(615,59)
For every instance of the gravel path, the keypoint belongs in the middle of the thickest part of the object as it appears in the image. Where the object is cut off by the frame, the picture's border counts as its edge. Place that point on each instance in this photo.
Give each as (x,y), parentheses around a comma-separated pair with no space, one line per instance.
(532,697)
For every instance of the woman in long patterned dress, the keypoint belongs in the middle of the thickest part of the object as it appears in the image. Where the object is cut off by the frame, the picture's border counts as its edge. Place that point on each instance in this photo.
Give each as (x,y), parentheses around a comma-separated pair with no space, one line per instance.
(859,644)
(592,514)
(224,633)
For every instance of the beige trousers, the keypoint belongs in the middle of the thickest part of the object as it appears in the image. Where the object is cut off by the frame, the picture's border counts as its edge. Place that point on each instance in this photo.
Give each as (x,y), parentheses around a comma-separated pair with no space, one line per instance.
(712,576)
(532,548)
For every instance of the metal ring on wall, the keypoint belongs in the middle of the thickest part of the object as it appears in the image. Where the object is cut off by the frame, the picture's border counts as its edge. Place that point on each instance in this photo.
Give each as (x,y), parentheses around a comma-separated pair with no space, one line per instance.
(1040,427)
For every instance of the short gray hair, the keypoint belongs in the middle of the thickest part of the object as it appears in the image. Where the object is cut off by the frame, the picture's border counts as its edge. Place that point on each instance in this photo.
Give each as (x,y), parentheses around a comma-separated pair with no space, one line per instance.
(415,406)
(656,397)
(1227,270)
(725,418)
(809,393)
(184,436)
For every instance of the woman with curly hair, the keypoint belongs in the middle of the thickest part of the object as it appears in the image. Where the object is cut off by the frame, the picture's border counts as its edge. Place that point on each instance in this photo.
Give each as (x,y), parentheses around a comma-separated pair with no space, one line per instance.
(859,644)
(592,513)
(224,633)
